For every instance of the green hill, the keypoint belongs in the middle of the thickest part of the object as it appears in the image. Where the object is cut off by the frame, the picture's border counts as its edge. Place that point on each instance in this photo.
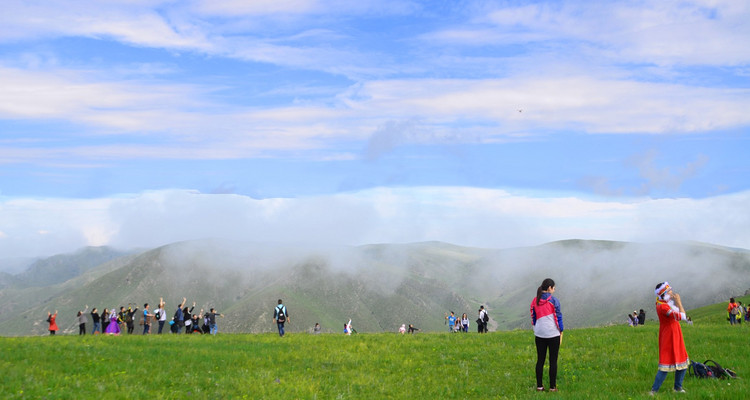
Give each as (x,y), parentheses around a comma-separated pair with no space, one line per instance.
(383,286)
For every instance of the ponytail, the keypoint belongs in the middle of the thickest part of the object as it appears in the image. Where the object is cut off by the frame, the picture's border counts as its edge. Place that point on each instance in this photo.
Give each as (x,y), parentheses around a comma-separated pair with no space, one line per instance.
(546,284)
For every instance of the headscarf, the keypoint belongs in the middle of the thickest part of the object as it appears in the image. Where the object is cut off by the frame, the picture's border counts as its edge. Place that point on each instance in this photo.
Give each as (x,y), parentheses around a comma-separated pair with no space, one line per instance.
(662,289)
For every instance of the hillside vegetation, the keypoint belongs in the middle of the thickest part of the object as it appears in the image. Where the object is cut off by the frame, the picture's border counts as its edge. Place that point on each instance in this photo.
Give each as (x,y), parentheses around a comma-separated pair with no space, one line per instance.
(595,363)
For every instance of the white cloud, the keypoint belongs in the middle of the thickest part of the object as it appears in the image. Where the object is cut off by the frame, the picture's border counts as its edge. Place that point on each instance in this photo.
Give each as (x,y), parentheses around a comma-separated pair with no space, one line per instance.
(461,215)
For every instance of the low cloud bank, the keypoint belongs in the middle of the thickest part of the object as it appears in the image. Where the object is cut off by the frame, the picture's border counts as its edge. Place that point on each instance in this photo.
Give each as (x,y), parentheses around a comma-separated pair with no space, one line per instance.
(465,216)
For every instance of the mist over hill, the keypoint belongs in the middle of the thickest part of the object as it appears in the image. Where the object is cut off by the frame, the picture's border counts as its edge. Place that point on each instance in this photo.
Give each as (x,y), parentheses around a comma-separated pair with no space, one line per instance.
(380,286)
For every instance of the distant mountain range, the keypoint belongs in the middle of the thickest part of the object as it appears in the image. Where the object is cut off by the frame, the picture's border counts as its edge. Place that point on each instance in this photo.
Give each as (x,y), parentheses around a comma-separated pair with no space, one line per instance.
(379,286)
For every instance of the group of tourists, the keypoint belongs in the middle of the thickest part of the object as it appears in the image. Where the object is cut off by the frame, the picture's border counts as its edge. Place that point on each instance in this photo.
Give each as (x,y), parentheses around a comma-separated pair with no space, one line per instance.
(456,324)
(637,318)
(114,322)
(736,312)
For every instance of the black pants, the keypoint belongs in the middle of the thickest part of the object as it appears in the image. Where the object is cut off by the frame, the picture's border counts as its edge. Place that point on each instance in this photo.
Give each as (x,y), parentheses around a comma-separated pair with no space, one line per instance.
(81,329)
(542,344)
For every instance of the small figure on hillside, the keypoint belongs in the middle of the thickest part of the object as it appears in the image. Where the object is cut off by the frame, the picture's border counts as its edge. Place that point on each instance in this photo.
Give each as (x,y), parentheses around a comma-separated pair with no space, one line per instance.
(402,329)
(130,318)
(482,320)
(52,320)
(689,321)
(105,320)
(733,310)
(412,329)
(547,320)
(188,318)
(451,321)
(316,329)
(96,320)
(348,327)
(213,328)
(147,316)
(82,319)
(636,322)
(672,353)
(280,317)
(178,318)
(630,320)
(464,323)
(742,312)
(160,314)
(113,327)
(642,317)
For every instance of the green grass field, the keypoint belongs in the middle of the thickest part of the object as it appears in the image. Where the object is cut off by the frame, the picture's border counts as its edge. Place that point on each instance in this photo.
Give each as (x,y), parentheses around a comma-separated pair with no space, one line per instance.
(606,362)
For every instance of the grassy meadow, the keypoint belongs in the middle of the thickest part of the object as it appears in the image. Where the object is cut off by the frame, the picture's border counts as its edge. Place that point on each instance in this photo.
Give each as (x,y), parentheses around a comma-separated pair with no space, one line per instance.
(605,362)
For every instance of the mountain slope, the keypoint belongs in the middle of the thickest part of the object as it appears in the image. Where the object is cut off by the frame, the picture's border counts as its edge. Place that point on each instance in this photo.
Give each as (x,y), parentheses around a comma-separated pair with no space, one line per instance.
(383,286)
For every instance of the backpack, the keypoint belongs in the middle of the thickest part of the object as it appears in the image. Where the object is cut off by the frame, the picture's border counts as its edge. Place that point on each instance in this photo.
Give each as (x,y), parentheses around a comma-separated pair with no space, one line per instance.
(486,316)
(158,315)
(710,369)
(280,317)
(700,370)
(735,310)
(719,371)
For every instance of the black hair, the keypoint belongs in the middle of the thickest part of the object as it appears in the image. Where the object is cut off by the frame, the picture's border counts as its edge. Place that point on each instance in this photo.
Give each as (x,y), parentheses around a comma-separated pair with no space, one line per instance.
(731,299)
(546,284)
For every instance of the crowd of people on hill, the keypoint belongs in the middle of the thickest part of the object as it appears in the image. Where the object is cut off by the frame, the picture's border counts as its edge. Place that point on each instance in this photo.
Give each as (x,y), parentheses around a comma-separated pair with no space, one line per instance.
(114,322)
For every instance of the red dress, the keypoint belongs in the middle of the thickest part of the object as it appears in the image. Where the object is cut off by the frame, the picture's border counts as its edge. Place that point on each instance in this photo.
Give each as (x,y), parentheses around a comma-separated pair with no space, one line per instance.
(672,353)
(53,322)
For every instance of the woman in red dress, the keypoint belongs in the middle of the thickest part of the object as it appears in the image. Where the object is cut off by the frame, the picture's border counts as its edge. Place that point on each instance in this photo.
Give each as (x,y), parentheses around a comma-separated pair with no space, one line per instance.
(672,353)
(51,318)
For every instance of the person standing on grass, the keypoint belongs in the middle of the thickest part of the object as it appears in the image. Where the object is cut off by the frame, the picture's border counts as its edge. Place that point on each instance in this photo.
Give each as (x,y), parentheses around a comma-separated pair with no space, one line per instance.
(113,327)
(280,317)
(188,318)
(672,353)
(52,320)
(732,311)
(105,320)
(161,314)
(146,319)
(82,320)
(451,321)
(546,318)
(213,328)
(465,323)
(130,318)
(481,323)
(179,317)
(97,324)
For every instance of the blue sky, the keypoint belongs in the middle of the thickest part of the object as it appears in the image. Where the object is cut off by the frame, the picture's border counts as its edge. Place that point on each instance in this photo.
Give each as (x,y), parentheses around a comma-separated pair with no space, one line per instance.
(482,123)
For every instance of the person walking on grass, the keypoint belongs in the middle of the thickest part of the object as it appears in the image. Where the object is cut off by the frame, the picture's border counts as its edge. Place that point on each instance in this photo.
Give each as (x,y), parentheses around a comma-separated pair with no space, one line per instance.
(546,318)
(672,353)
(280,317)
